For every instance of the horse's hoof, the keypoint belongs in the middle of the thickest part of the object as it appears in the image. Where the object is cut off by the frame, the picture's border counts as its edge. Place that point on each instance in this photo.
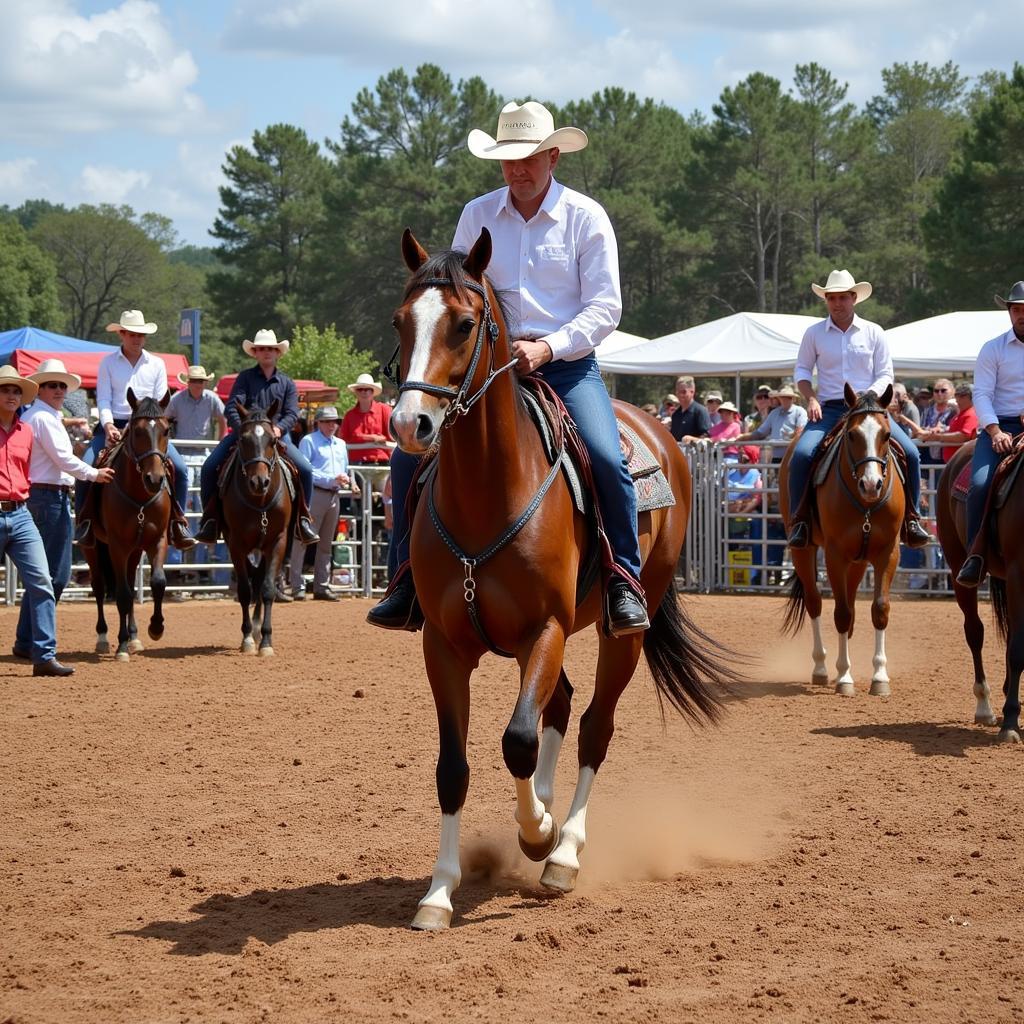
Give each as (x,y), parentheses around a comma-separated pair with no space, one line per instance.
(122,656)
(102,646)
(431,919)
(880,688)
(154,633)
(559,877)
(1009,736)
(134,646)
(266,652)
(248,646)
(819,679)
(542,850)
(845,689)
(986,720)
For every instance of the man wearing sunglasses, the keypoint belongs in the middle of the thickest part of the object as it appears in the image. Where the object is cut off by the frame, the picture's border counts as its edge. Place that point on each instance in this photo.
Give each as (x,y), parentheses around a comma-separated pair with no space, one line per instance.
(52,472)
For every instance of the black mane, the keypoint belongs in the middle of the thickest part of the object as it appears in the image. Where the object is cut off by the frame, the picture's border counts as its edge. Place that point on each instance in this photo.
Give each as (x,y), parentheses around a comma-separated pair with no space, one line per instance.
(867,402)
(148,409)
(447,265)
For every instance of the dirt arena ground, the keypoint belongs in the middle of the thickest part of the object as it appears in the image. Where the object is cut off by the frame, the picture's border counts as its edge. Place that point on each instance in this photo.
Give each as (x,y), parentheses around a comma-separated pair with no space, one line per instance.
(204,836)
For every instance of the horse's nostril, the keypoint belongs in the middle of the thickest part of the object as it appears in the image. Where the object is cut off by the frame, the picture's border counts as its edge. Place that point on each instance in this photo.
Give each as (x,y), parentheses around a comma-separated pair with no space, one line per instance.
(424,427)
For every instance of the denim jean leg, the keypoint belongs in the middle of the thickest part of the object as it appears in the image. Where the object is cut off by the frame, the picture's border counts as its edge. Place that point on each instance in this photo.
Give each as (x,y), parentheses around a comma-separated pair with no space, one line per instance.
(803,452)
(22,542)
(211,467)
(302,464)
(983,465)
(403,468)
(180,476)
(51,513)
(89,456)
(913,464)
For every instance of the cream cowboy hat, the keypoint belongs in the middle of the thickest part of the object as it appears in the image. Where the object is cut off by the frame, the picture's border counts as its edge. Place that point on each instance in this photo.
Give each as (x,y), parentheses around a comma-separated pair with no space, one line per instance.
(842,281)
(196,373)
(29,388)
(784,392)
(727,407)
(133,320)
(54,369)
(264,339)
(365,380)
(524,129)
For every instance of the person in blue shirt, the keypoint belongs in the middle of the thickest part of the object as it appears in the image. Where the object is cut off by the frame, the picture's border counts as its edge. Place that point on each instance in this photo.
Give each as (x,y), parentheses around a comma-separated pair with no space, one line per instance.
(257,388)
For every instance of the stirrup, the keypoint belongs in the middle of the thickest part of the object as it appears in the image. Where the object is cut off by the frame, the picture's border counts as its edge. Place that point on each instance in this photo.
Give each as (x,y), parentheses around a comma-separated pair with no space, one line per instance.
(799,535)
(972,572)
(179,535)
(207,532)
(83,534)
(917,535)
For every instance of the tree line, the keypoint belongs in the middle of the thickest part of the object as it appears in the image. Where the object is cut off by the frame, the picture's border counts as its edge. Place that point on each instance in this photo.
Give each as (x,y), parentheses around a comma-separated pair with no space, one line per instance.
(919,190)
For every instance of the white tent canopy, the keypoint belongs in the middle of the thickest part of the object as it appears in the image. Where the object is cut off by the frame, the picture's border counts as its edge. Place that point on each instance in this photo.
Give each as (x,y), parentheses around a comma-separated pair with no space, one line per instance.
(619,341)
(948,343)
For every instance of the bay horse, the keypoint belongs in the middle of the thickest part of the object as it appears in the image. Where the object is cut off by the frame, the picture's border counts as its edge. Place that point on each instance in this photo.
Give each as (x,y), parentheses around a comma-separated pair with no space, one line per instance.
(257,509)
(1005,564)
(496,494)
(860,506)
(133,510)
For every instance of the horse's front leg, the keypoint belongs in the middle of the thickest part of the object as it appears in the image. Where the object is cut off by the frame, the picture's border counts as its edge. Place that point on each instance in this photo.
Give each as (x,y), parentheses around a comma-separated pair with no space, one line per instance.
(841,575)
(1009,731)
(157,586)
(540,674)
(134,643)
(884,572)
(240,561)
(554,723)
(271,566)
(124,594)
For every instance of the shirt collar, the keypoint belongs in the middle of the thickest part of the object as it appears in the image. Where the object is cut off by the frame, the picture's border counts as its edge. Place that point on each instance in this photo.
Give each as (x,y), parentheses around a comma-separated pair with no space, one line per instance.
(551,201)
(830,324)
(38,403)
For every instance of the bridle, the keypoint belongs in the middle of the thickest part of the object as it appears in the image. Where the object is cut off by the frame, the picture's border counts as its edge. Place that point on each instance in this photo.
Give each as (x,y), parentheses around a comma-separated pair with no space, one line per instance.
(865,510)
(461,400)
(138,458)
(272,463)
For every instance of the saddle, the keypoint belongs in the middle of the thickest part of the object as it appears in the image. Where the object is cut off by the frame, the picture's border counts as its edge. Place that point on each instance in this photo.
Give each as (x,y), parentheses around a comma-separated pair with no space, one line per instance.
(828,449)
(1003,480)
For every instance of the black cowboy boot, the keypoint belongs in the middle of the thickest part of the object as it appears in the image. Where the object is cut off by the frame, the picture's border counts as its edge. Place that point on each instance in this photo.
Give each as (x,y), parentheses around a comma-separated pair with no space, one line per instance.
(210,526)
(799,534)
(177,530)
(304,532)
(399,609)
(626,611)
(83,533)
(972,572)
(917,535)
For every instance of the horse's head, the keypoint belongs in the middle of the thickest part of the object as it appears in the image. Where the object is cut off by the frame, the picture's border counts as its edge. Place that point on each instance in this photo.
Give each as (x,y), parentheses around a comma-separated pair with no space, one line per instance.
(146,442)
(257,446)
(867,441)
(449,316)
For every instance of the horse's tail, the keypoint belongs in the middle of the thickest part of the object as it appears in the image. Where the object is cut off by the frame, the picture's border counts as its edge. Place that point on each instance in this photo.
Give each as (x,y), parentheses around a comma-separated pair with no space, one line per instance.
(1000,610)
(688,666)
(796,609)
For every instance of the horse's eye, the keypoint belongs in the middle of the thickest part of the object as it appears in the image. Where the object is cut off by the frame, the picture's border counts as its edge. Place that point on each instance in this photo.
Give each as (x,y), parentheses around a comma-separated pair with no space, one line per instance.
(465,325)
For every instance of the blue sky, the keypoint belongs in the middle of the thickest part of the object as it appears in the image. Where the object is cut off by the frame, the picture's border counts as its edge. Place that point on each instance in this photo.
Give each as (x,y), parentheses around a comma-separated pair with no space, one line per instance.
(137,101)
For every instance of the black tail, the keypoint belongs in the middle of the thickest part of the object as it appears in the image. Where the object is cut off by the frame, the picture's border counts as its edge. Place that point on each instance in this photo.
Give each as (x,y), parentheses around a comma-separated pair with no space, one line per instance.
(796,609)
(1000,611)
(688,666)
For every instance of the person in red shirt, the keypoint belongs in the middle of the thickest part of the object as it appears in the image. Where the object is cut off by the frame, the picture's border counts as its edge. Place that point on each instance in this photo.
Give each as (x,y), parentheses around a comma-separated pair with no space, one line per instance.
(963,426)
(368,422)
(19,535)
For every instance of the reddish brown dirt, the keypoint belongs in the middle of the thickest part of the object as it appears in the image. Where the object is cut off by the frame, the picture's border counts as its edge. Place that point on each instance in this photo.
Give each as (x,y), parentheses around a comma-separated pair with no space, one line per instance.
(204,836)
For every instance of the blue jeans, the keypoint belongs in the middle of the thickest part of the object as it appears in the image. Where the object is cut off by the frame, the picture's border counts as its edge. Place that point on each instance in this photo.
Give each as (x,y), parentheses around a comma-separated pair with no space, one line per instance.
(814,433)
(51,512)
(579,385)
(984,462)
(96,445)
(211,467)
(19,538)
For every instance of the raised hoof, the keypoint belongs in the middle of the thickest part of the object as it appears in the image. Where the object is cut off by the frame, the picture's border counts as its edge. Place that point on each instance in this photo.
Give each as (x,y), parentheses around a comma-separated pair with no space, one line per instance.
(102,646)
(845,689)
(122,656)
(986,720)
(155,633)
(880,689)
(1009,736)
(559,877)
(542,850)
(248,646)
(266,652)
(134,646)
(431,919)
(819,679)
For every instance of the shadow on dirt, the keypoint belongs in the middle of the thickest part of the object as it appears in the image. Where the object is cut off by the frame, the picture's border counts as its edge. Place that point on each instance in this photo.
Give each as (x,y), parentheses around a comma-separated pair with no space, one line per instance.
(929,739)
(226,923)
(744,691)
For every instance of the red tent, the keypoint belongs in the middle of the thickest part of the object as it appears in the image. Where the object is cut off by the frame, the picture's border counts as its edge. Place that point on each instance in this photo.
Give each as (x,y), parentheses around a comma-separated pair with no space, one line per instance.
(85,364)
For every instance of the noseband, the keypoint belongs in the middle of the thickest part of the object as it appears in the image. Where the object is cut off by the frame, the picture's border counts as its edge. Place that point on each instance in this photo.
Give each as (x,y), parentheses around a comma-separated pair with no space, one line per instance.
(488,328)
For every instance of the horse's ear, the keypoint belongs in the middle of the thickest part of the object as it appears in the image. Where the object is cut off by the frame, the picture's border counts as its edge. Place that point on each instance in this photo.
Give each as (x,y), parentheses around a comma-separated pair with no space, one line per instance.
(132,400)
(243,413)
(479,256)
(413,253)
(850,395)
(886,398)
(166,400)
(275,405)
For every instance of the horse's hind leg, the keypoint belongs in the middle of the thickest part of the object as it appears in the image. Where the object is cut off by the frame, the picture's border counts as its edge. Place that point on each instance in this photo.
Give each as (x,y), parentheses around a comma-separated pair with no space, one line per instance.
(554,723)
(974,634)
(1009,731)
(805,565)
(449,681)
(616,664)
(99,593)
(880,620)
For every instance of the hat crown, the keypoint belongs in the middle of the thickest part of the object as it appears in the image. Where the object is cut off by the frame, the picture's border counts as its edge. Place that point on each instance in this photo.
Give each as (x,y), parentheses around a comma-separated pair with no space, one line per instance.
(52,366)
(132,318)
(527,122)
(840,281)
(326,412)
(265,336)
(1013,296)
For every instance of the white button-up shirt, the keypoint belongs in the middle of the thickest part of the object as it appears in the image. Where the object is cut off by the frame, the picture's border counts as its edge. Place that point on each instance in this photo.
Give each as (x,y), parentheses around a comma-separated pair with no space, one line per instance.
(560,270)
(147,379)
(859,355)
(53,459)
(999,379)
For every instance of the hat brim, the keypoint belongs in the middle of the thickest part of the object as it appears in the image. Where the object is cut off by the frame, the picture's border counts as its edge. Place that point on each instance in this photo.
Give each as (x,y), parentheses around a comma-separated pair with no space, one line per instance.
(377,388)
(1008,301)
(184,378)
(484,146)
(250,349)
(29,388)
(73,381)
(149,328)
(862,290)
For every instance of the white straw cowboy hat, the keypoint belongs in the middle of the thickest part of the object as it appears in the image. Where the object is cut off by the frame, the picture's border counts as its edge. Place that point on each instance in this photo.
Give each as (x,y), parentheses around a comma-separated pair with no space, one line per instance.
(524,129)
(29,388)
(54,369)
(727,407)
(365,380)
(842,281)
(133,320)
(196,373)
(264,339)
(784,392)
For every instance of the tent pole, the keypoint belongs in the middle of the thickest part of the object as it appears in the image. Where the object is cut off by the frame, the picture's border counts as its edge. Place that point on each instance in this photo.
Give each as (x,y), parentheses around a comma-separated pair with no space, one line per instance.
(738,405)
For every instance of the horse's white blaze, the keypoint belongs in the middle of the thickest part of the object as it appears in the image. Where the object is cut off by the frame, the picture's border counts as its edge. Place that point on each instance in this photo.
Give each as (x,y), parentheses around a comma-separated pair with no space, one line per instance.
(818,651)
(535,823)
(447,871)
(547,761)
(844,680)
(879,661)
(258,431)
(870,429)
(574,831)
(427,311)
(152,424)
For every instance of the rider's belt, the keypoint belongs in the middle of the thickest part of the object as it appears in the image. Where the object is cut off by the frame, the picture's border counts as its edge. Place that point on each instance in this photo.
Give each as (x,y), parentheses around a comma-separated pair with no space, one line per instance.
(64,488)
(834,403)
(11,506)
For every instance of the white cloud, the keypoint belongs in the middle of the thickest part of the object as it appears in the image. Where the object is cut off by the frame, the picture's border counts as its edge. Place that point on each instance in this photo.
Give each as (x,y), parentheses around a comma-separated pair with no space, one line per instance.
(17,175)
(63,72)
(106,184)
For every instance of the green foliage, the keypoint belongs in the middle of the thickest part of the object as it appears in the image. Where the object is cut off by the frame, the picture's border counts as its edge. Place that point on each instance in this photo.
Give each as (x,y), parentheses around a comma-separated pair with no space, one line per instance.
(323,354)
(28,282)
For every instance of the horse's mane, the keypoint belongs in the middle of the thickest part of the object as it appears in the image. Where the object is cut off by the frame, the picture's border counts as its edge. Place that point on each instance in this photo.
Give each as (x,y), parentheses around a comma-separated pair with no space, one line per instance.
(448,266)
(867,402)
(148,409)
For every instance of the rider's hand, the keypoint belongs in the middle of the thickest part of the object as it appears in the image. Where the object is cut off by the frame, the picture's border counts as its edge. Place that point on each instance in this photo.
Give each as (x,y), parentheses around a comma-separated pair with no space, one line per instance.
(1001,441)
(104,475)
(277,431)
(113,434)
(529,355)
(813,410)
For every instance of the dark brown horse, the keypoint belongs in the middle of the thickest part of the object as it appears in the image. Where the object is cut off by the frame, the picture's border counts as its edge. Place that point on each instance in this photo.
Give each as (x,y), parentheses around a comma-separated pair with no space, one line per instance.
(860,511)
(491,467)
(257,508)
(1005,565)
(133,512)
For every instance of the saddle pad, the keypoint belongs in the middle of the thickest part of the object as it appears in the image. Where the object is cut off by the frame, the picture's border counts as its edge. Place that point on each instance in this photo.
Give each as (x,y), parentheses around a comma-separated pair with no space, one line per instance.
(640,461)
(962,483)
(1009,470)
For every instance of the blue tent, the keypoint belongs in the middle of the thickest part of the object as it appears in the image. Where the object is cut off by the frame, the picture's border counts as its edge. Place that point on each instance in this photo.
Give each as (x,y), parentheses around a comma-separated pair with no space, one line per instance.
(35,340)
